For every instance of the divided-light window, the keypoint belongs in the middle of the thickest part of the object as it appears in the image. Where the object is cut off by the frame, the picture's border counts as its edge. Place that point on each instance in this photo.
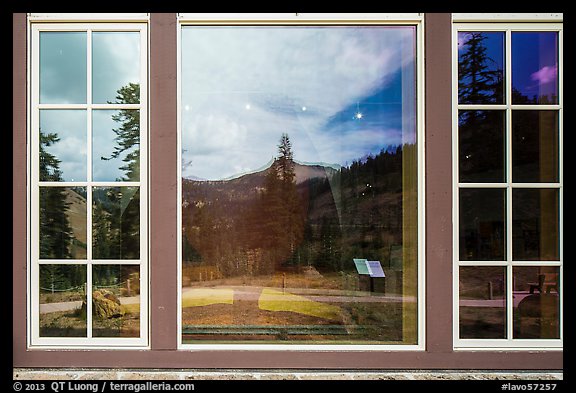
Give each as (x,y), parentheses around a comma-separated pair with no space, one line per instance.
(88,185)
(299,185)
(508,193)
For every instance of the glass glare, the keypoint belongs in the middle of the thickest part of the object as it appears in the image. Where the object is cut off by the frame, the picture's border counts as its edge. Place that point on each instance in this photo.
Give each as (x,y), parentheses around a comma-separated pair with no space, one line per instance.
(299,157)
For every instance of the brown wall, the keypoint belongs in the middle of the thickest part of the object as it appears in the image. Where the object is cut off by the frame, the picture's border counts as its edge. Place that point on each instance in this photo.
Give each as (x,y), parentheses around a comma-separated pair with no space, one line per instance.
(163,182)
(163,232)
(19,159)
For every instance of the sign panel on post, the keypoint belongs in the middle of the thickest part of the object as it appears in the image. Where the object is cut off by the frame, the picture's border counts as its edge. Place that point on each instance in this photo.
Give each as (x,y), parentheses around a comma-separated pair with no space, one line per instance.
(375,269)
(361,266)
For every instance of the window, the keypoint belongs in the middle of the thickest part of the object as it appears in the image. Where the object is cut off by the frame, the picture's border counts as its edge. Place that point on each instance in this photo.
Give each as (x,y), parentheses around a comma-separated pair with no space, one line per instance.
(300,191)
(508,193)
(88,187)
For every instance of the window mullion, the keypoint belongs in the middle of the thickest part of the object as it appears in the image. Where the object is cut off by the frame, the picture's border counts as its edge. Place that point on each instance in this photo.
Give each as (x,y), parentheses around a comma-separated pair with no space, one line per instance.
(508,160)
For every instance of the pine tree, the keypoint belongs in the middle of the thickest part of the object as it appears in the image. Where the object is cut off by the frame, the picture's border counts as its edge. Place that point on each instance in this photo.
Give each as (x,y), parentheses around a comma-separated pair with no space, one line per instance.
(117,215)
(478,83)
(55,231)
(283,228)
(128,134)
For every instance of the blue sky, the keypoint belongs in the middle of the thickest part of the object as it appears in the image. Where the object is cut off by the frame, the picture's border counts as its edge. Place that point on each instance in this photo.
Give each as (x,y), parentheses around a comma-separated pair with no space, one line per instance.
(340,93)
(535,63)
(534,59)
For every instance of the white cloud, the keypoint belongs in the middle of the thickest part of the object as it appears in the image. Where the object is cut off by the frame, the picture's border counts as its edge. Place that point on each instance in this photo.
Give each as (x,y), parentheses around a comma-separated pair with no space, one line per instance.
(278,71)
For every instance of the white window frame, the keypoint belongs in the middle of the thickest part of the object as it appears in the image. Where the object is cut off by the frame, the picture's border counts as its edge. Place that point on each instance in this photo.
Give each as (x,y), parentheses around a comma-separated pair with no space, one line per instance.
(66,23)
(295,19)
(507,23)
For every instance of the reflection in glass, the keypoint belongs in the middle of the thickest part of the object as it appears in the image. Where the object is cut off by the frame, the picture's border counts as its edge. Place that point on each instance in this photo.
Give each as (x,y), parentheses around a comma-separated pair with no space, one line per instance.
(115,64)
(63,67)
(536,302)
(534,146)
(299,156)
(534,68)
(62,222)
(116,145)
(480,67)
(481,147)
(535,224)
(62,147)
(482,224)
(483,302)
(116,223)
(62,300)
(116,301)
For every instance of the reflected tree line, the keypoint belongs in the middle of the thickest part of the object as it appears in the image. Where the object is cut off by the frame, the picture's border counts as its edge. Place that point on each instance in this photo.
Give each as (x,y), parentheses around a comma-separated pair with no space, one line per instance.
(268,221)
(482,146)
(115,210)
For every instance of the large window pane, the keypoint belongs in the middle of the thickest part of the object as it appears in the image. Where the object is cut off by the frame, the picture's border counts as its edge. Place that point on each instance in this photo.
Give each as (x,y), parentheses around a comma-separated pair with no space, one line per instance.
(62,300)
(116,301)
(62,217)
(63,67)
(116,223)
(534,146)
(115,67)
(116,145)
(480,67)
(482,224)
(481,147)
(534,67)
(62,148)
(536,302)
(483,302)
(535,224)
(299,156)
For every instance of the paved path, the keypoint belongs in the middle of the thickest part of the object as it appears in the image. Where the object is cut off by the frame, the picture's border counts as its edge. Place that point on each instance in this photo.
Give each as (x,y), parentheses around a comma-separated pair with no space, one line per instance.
(252,293)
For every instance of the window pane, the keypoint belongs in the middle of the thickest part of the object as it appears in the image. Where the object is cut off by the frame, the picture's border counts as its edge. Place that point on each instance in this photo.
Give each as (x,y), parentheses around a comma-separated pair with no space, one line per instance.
(116,145)
(483,302)
(534,146)
(536,302)
(534,68)
(535,224)
(116,223)
(62,222)
(481,147)
(63,68)
(116,67)
(481,67)
(299,156)
(62,148)
(62,301)
(116,301)
(482,224)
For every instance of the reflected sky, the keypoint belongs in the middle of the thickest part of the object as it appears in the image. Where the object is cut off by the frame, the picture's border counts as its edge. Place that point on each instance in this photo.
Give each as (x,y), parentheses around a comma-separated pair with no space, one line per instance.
(491,48)
(115,63)
(63,67)
(70,125)
(535,64)
(340,93)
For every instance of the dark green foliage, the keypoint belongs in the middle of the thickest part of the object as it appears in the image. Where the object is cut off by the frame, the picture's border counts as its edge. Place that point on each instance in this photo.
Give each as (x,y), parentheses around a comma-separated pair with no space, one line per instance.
(268,221)
(128,134)
(55,231)
(116,210)
(116,223)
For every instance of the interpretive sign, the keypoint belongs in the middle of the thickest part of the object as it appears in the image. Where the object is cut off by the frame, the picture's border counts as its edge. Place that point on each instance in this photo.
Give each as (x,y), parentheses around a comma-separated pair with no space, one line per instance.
(375,269)
(361,266)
